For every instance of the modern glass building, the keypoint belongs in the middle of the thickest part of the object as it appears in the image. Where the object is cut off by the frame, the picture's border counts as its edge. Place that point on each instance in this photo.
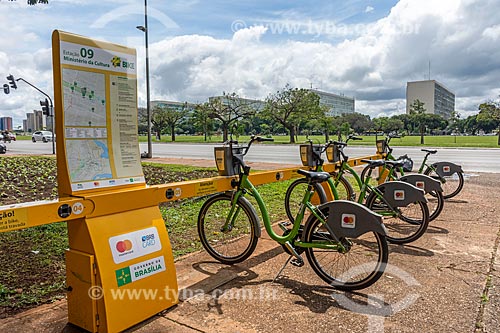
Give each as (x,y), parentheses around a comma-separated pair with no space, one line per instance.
(337,104)
(436,97)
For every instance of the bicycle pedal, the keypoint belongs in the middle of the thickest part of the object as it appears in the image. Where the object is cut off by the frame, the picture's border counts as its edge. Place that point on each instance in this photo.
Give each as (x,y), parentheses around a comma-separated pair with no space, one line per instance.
(284,225)
(297,262)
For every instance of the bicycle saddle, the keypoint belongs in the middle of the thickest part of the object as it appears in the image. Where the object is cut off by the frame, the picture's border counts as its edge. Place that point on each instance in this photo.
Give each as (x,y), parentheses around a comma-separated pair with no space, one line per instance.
(374,163)
(430,151)
(395,164)
(313,176)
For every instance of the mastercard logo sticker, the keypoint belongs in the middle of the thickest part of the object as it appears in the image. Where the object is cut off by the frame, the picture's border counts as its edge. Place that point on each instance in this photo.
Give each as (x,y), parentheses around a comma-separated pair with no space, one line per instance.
(124,245)
(348,221)
(420,185)
(399,195)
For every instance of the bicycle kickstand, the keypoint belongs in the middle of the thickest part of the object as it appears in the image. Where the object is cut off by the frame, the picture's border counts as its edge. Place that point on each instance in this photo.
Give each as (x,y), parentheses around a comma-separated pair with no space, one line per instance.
(282,268)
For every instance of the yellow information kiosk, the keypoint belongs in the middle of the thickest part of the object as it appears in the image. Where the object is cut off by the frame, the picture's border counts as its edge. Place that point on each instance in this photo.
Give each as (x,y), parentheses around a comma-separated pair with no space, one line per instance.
(120,268)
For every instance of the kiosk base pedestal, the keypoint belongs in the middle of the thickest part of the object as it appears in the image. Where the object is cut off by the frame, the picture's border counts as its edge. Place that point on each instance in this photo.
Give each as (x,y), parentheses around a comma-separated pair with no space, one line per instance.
(120,270)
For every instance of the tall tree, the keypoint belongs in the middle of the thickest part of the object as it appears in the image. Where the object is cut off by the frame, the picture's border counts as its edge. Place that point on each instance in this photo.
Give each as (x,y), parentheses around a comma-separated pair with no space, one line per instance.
(490,110)
(202,121)
(417,112)
(159,120)
(174,115)
(227,109)
(291,106)
(358,122)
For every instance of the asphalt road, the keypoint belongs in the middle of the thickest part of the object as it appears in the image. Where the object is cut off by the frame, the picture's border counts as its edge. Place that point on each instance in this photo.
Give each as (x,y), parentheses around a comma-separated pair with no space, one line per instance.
(471,159)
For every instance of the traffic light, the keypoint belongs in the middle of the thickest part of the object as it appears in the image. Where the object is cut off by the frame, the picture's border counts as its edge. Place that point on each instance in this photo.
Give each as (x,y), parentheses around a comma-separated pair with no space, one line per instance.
(45,107)
(12,81)
(6,88)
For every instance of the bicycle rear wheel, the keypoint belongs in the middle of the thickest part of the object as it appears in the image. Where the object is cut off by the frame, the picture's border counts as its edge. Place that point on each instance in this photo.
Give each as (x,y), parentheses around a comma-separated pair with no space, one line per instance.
(452,185)
(237,242)
(435,202)
(295,194)
(344,188)
(361,266)
(403,224)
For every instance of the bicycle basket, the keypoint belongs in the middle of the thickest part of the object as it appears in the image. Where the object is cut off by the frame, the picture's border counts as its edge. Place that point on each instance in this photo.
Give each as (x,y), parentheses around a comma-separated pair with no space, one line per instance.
(382,147)
(407,163)
(224,160)
(333,154)
(306,154)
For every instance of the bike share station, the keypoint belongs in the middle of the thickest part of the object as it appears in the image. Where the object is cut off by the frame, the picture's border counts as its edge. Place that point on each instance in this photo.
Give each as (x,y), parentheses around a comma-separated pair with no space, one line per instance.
(117,236)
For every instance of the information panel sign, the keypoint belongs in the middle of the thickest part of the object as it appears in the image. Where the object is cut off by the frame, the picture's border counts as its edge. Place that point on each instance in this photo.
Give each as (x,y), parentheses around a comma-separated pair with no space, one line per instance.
(95,86)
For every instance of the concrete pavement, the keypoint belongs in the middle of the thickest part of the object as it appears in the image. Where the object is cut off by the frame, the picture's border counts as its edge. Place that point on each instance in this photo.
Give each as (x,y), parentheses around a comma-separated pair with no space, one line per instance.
(447,281)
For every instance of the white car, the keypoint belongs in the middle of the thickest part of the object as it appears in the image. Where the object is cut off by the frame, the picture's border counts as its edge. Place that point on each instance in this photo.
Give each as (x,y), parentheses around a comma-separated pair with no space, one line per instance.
(44,136)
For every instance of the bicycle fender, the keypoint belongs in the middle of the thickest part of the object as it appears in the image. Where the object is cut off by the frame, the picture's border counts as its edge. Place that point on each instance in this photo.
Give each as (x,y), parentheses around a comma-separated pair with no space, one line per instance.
(258,227)
(400,194)
(424,182)
(444,169)
(350,219)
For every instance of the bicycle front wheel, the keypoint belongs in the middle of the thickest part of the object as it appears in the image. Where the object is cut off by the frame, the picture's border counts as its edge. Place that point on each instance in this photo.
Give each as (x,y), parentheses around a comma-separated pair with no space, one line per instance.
(235,242)
(295,194)
(452,185)
(403,224)
(359,267)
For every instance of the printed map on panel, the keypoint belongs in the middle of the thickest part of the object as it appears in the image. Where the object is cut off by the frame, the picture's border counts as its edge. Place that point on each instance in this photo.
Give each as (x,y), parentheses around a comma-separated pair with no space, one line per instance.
(83,103)
(88,160)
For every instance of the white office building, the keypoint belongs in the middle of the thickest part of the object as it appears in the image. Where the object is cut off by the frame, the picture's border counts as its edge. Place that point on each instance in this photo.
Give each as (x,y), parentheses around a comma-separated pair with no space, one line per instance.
(436,97)
(337,104)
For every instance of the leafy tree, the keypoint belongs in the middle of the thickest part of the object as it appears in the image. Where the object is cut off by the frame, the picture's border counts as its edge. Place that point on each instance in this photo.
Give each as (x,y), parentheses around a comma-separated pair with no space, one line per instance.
(174,115)
(202,121)
(358,122)
(470,124)
(159,120)
(388,125)
(228,109)
(489,114)
(292,106)
(417,113)
(34,2)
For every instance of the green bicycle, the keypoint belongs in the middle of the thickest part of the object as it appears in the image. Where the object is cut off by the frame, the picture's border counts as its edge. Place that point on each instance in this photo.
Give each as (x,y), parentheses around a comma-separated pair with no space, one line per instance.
(406,217)
(344,242)
(449,174)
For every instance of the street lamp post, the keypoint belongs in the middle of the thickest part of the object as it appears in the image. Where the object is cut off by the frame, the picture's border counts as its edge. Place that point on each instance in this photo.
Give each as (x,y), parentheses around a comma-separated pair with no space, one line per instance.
(148,101)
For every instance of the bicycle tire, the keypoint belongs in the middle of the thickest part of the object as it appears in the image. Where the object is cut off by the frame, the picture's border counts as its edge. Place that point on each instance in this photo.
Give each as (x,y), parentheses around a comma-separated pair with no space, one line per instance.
(295,193)
(449,189)
(402,229)
(244,233)
(437,208)
(363,249)
(345,190)
(362,176)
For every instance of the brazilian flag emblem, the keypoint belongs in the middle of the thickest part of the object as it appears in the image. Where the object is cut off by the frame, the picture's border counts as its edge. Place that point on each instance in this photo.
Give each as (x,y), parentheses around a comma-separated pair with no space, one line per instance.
(123,276)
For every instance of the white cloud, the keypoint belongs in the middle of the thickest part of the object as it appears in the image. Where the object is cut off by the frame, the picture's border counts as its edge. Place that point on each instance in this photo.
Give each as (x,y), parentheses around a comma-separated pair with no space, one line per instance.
(369,9)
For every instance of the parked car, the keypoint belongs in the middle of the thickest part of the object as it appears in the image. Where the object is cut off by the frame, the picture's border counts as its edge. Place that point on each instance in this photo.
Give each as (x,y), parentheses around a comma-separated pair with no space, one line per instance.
(44,136)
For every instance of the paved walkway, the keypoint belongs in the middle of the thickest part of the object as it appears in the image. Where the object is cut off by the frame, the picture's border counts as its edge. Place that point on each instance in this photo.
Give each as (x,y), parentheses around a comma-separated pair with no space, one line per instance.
(448,281)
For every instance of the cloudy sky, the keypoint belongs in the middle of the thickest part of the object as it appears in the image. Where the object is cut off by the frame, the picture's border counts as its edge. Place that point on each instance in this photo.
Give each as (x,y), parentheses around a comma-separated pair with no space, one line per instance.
(366,49)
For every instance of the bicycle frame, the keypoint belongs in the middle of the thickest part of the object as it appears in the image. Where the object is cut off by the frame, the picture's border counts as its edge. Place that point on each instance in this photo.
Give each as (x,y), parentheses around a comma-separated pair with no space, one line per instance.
(246,187)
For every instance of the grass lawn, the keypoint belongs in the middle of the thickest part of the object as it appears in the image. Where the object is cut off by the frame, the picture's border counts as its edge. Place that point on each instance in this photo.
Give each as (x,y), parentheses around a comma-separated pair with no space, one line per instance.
(33,259)
(432,141)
